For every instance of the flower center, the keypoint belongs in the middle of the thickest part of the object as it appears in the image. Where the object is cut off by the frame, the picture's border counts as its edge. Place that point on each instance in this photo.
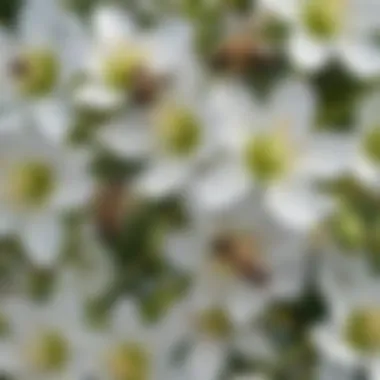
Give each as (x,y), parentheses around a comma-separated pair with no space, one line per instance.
(35,72)
(323,18)
(267,156)
(362,330)
(180,131)
(371,145)
(348,230)
(128,361)
(215,323)
(120,67)
(31,183)
(49,351)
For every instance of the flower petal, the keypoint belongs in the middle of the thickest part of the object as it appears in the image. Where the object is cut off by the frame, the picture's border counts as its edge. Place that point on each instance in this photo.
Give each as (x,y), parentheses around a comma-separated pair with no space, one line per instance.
(362,59)
(43,237)
(53,118)
(164,178)
(207,360)
(307,53)
(296,205)
(112,25)
(98,96)
(220,189)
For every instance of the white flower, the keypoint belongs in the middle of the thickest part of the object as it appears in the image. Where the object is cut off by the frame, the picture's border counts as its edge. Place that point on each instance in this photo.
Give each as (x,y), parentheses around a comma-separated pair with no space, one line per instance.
(274,149)
(349,343)
(39,182)
(322,30)
(120,49)
(37,65)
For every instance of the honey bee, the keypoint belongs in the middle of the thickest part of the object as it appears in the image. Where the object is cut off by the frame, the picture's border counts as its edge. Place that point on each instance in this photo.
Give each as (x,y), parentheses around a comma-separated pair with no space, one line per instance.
(241,253)
(146,86)
(110,205)
(240,53)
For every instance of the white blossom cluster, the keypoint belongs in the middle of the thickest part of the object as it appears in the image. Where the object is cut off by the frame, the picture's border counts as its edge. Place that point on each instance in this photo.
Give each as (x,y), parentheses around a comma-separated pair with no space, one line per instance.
(107,117)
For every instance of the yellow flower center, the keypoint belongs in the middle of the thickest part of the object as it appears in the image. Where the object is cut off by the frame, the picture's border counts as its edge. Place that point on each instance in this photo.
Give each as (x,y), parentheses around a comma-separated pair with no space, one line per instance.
(215,323)
(371,145)
(49,351)
(323,18)
(120,66)
(348,229)
(362,329)
(31,183)
(36,72)
(179,131)
(268,156)
(128,361)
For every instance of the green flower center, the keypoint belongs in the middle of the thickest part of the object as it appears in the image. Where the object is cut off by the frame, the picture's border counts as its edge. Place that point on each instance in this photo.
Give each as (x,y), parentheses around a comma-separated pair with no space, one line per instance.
(323,18)
(267,156)
(128,361)
(348,230)
(371,145)
(49,352)
(31,183)
(120,67)
(36,72)
(362,330)
(215,323)
(180,131)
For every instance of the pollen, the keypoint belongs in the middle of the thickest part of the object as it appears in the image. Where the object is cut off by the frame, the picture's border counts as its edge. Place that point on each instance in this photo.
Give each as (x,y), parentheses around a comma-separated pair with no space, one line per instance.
(362,330)
(49,351)
(267,156)
(128,361)
(179,131)
(371,145)
(31,183)
(323,18)
(35,72)
(120,67)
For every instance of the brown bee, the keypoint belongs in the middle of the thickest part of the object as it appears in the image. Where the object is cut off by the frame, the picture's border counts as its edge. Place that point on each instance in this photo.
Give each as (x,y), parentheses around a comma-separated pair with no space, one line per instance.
(146,86)
(241,253)
(110,204)
(240,53)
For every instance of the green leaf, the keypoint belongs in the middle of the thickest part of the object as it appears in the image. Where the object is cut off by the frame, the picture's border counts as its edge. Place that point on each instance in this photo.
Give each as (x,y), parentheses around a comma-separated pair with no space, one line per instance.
(9,10)
(337,92)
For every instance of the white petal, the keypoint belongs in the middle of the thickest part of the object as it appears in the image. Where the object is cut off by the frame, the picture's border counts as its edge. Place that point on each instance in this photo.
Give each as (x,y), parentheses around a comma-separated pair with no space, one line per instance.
(207,360)
(296,205)
(12,121)
(294,103)
(328,155)
(367,171)
(73,194)
(43,237)
(220,189)
(307,53)
(367,111)
(362,59)
(7,222)
(170,46)
(164,178)
(98,96)
(112,25)
(53,118)
(127,141)
(285,8)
